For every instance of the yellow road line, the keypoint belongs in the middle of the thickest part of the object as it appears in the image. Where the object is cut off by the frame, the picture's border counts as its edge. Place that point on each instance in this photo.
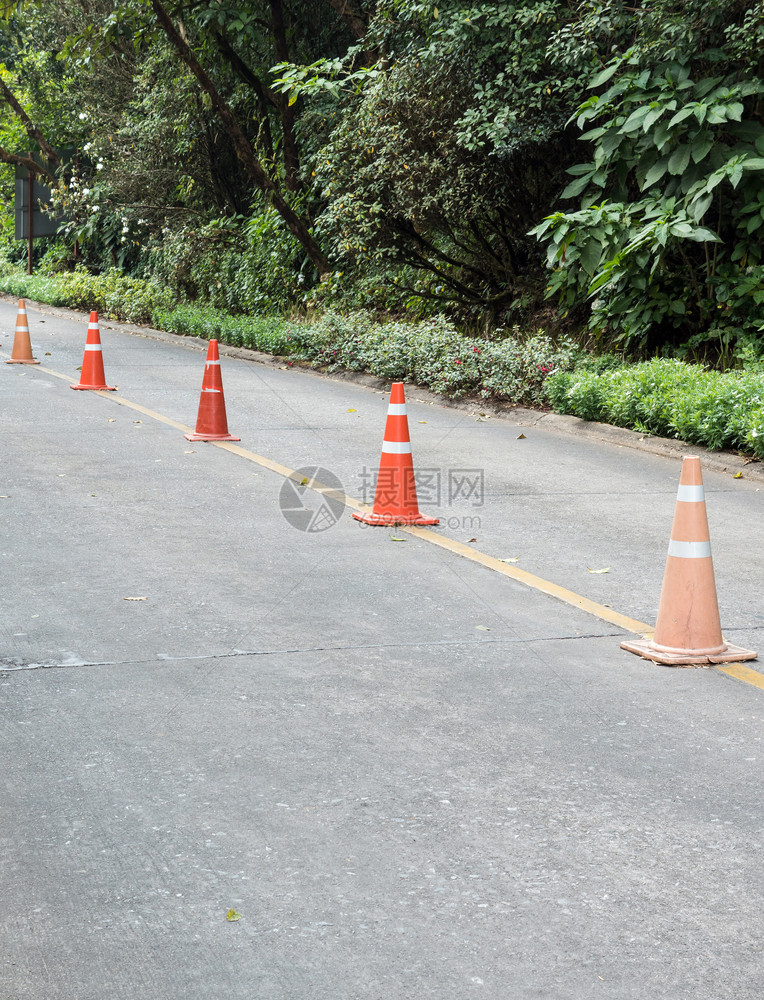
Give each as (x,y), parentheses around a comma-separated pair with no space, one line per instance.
(522,576)
(742,673)
(737,670)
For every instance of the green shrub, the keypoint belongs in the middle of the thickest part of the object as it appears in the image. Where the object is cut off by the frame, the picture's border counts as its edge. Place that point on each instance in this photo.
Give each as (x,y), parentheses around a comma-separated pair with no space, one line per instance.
(669,398)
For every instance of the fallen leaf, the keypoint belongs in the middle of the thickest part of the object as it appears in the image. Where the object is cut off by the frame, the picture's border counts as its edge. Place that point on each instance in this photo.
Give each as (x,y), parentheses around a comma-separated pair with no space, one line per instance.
(738,475)
(135,598)
(520,437)
(396,538)
(189,452)
(421,421)
(605,570)
(471,540)
(483,628)
(47,354)
(112,420)
(232,915)
(93,495)
(303,481)
(512,560)
(352,411)
(5,496)
(137,421)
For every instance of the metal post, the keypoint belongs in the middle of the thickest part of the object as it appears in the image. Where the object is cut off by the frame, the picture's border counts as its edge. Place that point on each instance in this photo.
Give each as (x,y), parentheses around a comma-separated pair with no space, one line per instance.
(30,224)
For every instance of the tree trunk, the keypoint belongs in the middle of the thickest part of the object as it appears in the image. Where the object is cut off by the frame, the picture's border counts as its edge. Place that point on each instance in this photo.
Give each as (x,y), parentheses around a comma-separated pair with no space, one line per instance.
(255,170)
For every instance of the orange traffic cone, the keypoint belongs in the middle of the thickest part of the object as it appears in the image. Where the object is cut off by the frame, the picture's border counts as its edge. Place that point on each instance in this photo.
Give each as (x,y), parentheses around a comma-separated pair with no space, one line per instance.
(395,501)
(211,421)
(22,345)
(93,376)
(688,629)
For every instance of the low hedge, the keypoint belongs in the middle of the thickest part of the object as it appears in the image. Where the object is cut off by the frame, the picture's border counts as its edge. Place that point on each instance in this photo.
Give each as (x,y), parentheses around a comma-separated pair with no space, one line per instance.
(669,398)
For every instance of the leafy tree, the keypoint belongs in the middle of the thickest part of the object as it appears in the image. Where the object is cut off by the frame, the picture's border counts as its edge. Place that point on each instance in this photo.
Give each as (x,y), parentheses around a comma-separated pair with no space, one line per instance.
(667,240)
(444,155)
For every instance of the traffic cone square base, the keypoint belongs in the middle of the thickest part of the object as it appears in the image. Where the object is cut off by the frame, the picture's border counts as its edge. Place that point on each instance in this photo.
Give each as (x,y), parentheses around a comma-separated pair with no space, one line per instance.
(645,649)
(21,361)
(391,519)
(210,437)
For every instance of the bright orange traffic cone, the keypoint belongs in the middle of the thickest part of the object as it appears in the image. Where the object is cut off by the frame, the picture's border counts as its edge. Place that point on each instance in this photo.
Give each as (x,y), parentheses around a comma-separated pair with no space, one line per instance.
(688,630)
(211,421)
(395,501)
(22,345)
(93,376)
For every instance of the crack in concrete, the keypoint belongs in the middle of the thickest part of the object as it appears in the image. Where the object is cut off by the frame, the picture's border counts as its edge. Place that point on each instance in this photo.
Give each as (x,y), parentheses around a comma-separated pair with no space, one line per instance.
(167,658)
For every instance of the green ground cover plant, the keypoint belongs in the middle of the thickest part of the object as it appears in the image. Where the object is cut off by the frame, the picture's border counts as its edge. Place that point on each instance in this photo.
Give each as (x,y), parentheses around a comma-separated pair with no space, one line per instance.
(669,398)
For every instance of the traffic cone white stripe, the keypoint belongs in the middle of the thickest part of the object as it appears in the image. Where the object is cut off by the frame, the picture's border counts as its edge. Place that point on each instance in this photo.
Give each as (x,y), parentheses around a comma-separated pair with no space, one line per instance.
(92,347)
(691,494)
(396,409)
(397,447)
(689,550)
(214,362)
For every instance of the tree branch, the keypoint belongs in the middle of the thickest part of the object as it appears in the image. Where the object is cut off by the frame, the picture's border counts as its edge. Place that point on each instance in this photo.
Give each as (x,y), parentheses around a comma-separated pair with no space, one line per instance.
(31,129)
(254,169)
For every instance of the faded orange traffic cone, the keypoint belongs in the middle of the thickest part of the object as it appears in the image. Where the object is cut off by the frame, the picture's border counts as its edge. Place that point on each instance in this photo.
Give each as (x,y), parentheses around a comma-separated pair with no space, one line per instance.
(211,421)
(93,376)
(395,500)
(22,345)
(688,630)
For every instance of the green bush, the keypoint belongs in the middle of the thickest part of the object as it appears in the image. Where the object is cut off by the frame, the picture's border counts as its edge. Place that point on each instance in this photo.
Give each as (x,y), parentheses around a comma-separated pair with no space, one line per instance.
(434,354)
(671,399)
(259,333)
(111,294)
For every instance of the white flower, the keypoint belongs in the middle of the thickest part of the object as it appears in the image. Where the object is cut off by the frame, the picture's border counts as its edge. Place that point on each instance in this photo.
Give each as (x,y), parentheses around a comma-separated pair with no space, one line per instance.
(86,191)
(83,116)
(99,166)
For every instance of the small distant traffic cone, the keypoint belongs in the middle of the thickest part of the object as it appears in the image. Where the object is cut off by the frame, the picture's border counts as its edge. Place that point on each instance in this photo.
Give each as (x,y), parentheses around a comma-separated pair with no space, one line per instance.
(93,376)
(688,630)
(395,501)
(211,421)
(22,345)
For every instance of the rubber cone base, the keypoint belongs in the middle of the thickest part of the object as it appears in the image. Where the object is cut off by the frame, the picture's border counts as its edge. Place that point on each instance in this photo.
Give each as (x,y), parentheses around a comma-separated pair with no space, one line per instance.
(686,658)
(382,520)
(98,388)
(210,437)
(21,361)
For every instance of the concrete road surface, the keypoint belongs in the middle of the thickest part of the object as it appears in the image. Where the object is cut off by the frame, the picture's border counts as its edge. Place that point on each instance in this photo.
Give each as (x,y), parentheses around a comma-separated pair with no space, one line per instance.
(403,773)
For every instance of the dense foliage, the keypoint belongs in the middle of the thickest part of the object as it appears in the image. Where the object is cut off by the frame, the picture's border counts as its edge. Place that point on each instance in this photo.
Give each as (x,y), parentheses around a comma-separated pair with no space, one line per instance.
(594,168)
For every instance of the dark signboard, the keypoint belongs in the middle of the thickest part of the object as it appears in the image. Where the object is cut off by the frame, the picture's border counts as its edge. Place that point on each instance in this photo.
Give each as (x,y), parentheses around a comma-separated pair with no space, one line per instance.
(43,224)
